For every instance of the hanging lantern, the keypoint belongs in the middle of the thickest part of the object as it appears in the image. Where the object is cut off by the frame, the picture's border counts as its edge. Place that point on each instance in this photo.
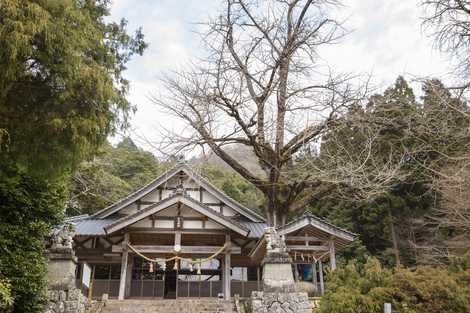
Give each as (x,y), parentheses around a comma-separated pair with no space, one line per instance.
(175,267)
(151,267)
(199,268)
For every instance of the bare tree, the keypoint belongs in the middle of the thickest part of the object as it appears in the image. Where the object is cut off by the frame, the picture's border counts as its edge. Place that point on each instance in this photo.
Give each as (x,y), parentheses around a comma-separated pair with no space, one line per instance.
(450,22)
(264,85)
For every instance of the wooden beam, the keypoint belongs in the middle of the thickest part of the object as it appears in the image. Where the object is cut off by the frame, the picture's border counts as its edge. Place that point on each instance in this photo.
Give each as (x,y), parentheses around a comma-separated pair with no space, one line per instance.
(125,256)
(184,249)
(142,202)
(130,264)
(226,269)
(195,231)
(177,241)
(303,238)
(314,274)
(322,285)
(308,248)
(332,255)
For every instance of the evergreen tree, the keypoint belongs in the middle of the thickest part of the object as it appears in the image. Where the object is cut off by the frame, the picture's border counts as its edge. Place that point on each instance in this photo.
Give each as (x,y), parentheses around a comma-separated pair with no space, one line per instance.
(384,222)
(62,93)
(111,175)
(61,85)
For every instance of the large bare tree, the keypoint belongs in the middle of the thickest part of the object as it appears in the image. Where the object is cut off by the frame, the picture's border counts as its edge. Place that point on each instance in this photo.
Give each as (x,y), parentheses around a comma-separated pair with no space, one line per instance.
(264,85)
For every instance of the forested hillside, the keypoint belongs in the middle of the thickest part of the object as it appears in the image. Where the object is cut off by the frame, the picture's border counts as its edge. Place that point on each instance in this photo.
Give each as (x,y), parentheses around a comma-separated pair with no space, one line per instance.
(117,171)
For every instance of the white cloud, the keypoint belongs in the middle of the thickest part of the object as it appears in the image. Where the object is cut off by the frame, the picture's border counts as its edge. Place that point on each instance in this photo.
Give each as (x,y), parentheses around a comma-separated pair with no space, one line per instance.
(387,40)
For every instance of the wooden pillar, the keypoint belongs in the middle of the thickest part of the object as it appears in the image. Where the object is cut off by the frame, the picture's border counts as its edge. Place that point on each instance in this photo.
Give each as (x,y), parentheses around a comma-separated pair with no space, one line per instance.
(332,256)
(226,268)
(314,274)
(130,264)
(320,269)
(296,273)
(177,245)
(125,256)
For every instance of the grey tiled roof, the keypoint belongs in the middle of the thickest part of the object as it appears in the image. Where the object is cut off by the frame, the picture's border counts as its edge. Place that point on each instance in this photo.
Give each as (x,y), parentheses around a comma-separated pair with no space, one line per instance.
(256,229)
(92,226)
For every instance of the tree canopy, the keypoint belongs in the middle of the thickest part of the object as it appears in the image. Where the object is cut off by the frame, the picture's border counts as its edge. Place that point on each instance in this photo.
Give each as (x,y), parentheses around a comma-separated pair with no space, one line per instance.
(62,89)
(62,92)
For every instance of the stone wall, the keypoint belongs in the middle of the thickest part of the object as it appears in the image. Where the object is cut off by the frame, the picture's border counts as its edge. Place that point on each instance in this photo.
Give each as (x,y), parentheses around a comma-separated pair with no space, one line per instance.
(280,302)
(66,301)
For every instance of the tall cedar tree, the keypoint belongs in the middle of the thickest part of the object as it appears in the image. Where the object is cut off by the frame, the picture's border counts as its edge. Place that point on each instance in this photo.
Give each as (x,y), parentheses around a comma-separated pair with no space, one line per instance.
(61,94)
(386,222)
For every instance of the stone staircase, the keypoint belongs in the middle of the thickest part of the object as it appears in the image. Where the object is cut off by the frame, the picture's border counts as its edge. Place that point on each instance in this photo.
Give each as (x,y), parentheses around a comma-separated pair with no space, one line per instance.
(169,306)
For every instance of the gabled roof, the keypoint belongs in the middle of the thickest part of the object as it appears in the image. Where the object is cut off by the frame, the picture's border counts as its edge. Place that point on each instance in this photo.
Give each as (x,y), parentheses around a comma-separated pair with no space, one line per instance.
(309,222)
(167,202)
(308,219)
(250,214)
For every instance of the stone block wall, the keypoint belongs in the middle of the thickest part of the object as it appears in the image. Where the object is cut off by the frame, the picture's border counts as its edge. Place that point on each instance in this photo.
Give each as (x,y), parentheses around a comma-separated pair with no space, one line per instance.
(66,301)
(280,302)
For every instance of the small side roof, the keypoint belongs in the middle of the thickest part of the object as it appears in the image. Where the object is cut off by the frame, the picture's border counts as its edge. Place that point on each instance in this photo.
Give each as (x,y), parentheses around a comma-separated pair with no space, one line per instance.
(308,219)
(131,198)
(311,225)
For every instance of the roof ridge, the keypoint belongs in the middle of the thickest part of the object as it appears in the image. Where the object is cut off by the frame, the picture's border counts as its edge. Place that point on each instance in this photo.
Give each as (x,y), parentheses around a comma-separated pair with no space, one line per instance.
(206,180)
(135,192)
(311,215)
(150,207)
(215,212)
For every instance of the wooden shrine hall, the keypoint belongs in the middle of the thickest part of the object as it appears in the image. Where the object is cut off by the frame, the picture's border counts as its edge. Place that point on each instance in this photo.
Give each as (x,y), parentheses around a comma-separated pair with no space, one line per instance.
(179,236)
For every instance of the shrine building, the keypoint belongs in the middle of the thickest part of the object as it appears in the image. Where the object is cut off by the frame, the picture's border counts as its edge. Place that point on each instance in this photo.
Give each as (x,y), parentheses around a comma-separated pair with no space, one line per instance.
(179,236)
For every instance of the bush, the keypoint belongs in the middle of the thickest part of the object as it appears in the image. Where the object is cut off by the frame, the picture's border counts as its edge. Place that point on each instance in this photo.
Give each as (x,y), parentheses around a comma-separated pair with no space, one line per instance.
(6,300)
(365,288)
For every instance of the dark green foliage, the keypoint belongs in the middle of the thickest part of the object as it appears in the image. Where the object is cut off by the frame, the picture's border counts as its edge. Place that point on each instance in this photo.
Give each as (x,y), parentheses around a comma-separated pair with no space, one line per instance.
(233,185)
(419,139)
(61,85)
(365,288)
(113,174)
(28,206)
(6,299)
(61,94)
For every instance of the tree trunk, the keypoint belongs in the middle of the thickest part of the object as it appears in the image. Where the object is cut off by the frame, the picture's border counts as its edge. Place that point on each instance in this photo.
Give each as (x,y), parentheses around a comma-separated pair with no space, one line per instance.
(394,239)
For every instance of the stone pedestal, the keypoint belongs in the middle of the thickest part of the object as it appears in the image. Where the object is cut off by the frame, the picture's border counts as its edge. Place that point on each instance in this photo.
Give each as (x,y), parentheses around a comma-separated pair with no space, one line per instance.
(277,273)
(64,296)
(280,302)
(279,294)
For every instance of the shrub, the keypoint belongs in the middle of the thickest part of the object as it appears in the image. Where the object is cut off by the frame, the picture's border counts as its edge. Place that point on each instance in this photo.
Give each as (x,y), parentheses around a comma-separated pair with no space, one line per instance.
(365,288)
(6,300)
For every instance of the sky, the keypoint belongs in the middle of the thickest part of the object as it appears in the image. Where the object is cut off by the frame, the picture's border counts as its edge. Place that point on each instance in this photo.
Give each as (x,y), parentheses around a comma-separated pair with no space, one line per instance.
(386,40)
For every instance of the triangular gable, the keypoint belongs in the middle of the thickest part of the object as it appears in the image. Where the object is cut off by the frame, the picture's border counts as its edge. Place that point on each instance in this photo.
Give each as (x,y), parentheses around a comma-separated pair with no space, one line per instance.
(311,220)
(340,236)
(153,185)
(165,203)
